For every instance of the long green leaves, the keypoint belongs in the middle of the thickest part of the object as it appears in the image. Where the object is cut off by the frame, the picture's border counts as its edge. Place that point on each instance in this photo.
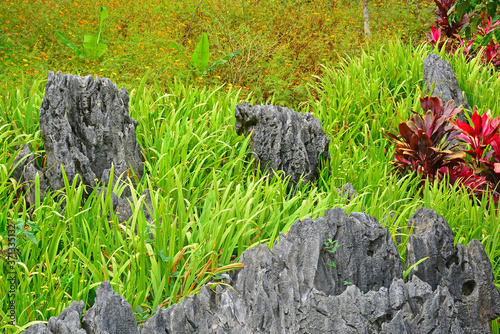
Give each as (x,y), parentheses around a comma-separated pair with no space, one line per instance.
(93,45)
(209,202)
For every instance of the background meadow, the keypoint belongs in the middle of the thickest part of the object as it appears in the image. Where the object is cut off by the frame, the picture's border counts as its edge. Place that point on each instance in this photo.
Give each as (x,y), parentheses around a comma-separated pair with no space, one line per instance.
(210,202)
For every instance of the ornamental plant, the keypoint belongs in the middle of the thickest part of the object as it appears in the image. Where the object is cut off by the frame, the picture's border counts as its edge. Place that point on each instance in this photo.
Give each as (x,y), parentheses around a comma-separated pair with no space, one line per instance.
(432,146)
(446,21)
(454,23)
(424,144)
(484,146)
(201,56)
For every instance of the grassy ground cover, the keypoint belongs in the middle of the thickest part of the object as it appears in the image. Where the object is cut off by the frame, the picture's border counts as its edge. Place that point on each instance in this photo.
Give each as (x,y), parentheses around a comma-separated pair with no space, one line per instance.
(210,202)
(282,42)
(201,177)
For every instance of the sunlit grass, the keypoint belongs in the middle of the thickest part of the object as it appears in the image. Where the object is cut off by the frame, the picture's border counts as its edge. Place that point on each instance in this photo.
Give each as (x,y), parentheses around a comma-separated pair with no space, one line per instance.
(283,42)
(210,203)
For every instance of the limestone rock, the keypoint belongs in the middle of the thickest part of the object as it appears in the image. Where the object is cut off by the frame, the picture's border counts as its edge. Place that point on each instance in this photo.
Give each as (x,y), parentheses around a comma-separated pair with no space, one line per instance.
(305,286)
(111,314)
(348,191)
(86,127)
(466,271)
(439,72)
(301,287)
(284,140)
(68,322)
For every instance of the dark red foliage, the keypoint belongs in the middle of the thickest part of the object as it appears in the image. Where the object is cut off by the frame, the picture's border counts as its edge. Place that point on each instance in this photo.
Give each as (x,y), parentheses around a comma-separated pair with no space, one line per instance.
(474,183)
(424,144)
(449,28)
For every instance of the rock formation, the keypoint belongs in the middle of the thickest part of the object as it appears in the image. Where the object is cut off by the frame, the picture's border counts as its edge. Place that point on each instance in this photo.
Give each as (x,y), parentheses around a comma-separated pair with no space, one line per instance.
(438,72)
(111,314)
(283,139)
(304,286)
(86,127)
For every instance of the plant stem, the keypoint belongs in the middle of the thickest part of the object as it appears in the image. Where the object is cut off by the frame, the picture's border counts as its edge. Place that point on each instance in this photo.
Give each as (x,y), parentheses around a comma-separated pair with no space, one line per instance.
(191,24)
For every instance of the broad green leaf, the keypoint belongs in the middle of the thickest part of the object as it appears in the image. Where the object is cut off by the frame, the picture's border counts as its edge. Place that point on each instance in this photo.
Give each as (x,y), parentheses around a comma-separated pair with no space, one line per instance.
(33,226)
(89,45)
(101,48)
(201,54)
(31,237)
(461,8)
(104,14)
(68,43)
(474,23)
(89,39)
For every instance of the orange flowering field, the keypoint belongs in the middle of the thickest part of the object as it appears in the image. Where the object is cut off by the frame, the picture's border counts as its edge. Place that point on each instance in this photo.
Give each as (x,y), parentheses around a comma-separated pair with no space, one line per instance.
(282,43)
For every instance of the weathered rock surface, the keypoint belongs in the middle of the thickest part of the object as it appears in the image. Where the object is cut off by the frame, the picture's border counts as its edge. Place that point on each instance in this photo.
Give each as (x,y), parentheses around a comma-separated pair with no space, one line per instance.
(439,72)
(303,287)
(86,127)
(111,314)
(283,139)
(348,191)
(68,322)
(465,271)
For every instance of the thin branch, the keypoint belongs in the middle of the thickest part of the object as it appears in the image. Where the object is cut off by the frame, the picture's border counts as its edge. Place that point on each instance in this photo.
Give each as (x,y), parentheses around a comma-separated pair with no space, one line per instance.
(191,24)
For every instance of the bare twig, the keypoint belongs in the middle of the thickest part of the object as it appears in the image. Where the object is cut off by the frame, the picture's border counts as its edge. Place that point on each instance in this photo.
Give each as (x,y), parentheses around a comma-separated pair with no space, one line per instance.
(191,24)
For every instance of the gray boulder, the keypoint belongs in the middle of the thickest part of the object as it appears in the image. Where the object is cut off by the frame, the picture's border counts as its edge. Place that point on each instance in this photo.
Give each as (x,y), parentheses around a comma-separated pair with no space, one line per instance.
(338,274)
(111,314)
(301,287)
(466,271)
(284,140)
(86,128)
(438,72)
(68,322)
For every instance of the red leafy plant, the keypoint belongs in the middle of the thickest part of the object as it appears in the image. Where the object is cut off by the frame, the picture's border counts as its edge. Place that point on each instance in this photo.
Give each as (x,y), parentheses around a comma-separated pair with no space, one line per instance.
(432,146)
(484,146)
(450,28)
(425,142)
(447,33)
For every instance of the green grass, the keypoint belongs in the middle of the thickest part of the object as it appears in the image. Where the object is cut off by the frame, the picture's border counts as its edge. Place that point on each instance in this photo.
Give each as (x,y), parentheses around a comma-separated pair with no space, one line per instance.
(202,178)
(210,203)
(283,43)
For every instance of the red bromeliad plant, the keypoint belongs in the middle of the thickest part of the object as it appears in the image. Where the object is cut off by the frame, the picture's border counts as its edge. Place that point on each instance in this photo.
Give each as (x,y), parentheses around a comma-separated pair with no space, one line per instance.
(435,36)
(447,33)
(424,144)
(474,183)
(492,54)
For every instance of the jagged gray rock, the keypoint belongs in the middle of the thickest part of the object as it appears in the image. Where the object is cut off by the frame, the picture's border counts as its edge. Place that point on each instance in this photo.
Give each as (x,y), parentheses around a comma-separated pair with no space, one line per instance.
(111,314)
(86,128)
(439,72)
(302,286)
(466,271)
(284,140)
(293,289)
(68,322)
